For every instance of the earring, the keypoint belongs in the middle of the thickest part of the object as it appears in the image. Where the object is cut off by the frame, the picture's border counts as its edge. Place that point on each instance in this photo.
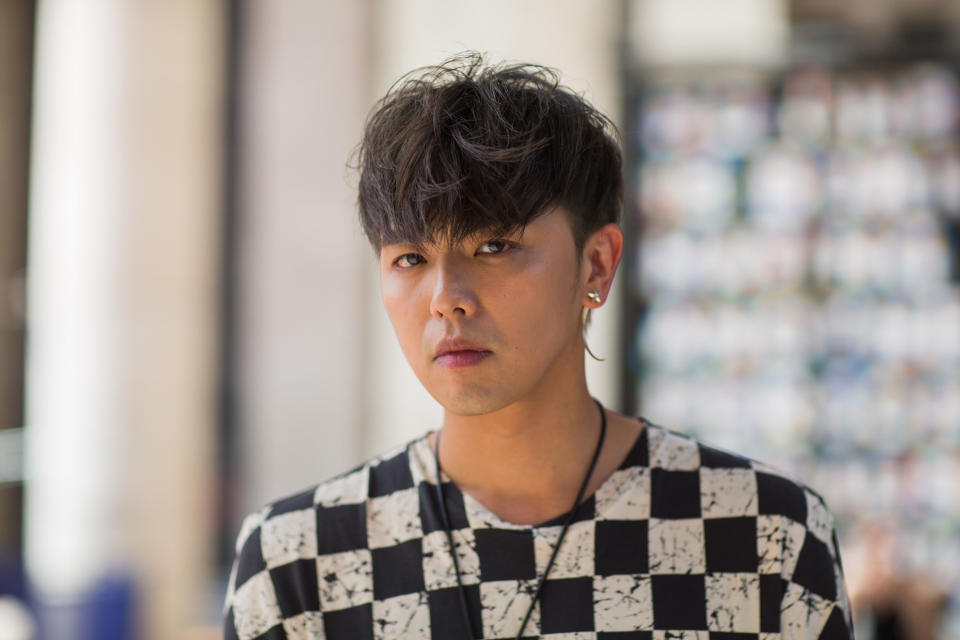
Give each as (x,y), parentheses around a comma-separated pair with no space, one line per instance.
(584,320)
(594,296)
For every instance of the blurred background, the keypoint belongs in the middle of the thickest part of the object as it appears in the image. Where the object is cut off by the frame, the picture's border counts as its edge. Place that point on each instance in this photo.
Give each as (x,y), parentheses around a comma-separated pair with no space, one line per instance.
(190,322)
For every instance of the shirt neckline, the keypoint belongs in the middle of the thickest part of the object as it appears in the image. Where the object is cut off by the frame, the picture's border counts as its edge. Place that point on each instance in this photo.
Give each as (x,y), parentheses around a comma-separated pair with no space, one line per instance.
(424,459)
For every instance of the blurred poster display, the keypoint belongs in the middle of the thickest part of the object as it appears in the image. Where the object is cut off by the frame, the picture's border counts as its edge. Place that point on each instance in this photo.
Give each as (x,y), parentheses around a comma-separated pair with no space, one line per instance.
(796,283)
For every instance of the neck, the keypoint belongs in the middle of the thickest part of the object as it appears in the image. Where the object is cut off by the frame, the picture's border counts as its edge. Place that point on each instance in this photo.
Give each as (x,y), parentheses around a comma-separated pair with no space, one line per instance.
(527,461)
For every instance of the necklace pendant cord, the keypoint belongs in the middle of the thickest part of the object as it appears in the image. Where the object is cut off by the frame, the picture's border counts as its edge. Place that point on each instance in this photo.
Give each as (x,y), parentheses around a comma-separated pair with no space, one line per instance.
(553,556)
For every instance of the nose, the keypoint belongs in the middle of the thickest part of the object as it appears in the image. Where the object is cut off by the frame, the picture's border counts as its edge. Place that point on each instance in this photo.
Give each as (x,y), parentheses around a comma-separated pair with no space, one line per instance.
(453,292)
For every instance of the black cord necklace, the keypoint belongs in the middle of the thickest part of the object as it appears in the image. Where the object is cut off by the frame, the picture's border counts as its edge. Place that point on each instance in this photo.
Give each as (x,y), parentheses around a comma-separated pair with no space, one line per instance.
(563,532)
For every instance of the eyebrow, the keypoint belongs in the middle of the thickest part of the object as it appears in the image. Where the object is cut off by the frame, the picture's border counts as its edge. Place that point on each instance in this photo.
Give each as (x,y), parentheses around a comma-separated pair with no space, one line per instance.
(478,236)
(418,246)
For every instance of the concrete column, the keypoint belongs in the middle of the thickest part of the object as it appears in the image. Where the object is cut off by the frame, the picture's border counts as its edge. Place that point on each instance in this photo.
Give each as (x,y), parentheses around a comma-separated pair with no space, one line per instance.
(304,92)
(122,295)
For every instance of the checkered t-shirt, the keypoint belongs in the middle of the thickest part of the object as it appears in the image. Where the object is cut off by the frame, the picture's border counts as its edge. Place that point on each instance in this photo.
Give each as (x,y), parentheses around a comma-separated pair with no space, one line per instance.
(682,542)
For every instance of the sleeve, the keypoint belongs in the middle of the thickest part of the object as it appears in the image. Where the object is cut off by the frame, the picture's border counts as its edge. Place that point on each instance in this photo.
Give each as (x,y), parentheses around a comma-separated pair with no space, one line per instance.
(814,604)
(251,610)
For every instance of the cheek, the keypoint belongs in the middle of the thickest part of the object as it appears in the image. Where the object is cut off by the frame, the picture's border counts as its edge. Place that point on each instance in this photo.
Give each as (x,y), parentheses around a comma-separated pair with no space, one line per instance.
(542,309)
(400,305)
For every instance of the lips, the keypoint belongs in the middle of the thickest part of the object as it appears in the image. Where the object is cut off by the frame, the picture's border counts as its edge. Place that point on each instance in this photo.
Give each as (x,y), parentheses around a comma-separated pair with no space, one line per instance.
(456,353)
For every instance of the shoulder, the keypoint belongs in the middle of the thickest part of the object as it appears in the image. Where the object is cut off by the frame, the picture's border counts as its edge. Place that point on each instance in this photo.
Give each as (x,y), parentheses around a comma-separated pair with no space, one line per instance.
(328,515)
(279,548)
(739,498)
(768,490)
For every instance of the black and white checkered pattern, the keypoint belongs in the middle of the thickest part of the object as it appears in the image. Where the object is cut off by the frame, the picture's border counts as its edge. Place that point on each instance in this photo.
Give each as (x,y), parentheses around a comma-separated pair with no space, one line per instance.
(683,542)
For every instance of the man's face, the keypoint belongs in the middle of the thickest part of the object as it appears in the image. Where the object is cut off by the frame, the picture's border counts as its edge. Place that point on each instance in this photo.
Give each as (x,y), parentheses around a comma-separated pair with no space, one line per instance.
(491,320)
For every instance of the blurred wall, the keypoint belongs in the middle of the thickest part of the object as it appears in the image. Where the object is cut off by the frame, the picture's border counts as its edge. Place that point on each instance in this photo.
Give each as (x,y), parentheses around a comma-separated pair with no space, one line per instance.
(301,331)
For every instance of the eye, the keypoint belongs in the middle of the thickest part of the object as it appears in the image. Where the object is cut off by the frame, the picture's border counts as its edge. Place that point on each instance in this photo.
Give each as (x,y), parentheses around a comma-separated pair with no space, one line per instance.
(408,260)
(493,247)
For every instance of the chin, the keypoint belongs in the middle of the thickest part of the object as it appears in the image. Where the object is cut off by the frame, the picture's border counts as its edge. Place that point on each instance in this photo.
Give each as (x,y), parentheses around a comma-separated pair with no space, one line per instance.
(472,402)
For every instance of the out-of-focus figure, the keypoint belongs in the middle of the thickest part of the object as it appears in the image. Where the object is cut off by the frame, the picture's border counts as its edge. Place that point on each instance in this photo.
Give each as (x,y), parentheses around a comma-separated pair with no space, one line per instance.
(899,606)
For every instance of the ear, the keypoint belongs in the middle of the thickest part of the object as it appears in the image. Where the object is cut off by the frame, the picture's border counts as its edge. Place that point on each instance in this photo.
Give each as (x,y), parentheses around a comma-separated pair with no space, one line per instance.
(600,257)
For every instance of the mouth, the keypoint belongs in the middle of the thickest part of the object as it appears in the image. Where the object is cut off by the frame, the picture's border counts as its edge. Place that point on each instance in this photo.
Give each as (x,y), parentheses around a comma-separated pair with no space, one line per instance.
(461,358)
(457,353)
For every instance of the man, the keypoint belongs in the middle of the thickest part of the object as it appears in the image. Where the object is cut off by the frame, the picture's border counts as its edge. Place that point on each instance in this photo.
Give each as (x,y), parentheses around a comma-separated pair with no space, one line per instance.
(492,196)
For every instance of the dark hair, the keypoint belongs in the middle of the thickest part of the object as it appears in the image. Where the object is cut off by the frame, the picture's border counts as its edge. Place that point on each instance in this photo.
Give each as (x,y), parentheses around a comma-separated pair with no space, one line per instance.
(463,147)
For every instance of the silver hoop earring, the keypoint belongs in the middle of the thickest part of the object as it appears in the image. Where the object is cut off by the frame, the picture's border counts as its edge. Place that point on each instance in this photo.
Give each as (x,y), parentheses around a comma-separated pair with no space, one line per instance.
(584,318)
